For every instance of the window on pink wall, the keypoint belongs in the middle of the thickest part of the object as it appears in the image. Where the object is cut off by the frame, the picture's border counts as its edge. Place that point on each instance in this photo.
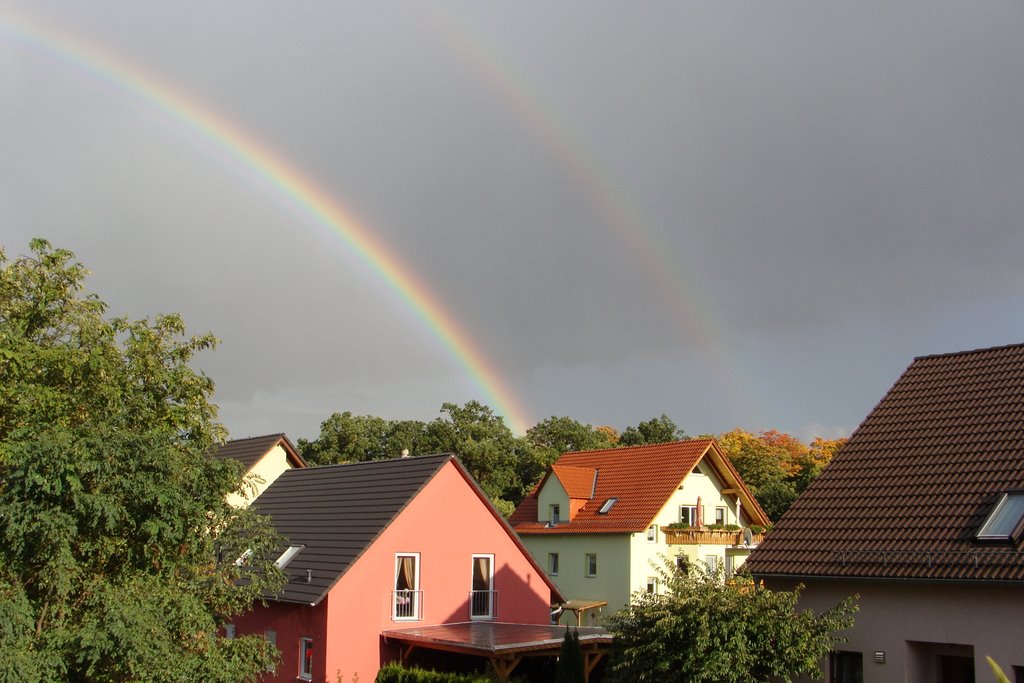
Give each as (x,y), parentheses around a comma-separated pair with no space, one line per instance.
(407,596)
(482,594)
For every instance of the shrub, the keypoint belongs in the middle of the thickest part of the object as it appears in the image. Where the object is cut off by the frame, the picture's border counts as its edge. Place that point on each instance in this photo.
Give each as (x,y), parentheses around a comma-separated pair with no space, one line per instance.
(395,673)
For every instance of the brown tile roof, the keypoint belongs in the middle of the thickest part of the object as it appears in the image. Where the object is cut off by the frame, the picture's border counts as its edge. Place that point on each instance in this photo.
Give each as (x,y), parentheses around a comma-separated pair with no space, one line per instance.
(248,451)
(641,477)
(905,496)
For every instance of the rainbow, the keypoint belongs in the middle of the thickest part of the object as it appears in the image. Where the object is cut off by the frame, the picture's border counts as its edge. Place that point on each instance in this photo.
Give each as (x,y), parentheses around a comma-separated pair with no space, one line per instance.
(680,295)
(288,181)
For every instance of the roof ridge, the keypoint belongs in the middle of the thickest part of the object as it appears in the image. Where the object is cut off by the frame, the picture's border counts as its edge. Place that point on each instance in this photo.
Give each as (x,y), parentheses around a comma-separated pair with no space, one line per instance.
(675,442)
(253,438)
(379,461)
(968,352)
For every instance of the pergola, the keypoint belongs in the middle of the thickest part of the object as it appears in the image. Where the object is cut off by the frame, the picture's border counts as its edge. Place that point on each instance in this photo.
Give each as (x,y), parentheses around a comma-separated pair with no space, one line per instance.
(504,645)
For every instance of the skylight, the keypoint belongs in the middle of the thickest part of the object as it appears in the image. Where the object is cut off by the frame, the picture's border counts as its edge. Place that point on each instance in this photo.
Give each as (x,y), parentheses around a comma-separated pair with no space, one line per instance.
(607,506)
(287,556)
(1004,518)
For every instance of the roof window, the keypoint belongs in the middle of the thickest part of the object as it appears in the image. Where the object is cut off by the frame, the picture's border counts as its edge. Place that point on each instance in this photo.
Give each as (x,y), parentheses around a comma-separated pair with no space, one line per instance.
(287,556)
(1005,520)
(607,506)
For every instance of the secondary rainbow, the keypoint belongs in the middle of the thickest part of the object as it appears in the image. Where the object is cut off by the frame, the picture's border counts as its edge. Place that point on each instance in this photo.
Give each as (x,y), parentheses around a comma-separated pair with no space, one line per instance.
(680,295)
(287,180)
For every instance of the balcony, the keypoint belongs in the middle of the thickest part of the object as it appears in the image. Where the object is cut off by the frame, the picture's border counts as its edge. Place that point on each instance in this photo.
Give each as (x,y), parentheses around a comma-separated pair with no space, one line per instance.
(483,604)
(406,604)
(707,536)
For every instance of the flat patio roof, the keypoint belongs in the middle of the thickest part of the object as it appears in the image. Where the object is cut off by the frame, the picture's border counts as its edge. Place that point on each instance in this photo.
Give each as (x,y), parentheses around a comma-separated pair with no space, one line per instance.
(503,644)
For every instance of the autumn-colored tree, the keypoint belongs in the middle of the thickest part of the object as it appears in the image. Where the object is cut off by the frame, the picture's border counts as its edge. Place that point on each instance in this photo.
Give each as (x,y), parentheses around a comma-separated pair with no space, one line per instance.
(776,466)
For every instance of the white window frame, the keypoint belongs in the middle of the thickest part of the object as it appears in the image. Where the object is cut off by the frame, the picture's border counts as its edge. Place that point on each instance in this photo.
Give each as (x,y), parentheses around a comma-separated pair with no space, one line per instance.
(652,585)
(590,565)
(652,533)
(712,563)
(552,564)
(416,591)
(490,583)
(691,514)
(555,513)
(721,515)
(305,646)
(1003,519)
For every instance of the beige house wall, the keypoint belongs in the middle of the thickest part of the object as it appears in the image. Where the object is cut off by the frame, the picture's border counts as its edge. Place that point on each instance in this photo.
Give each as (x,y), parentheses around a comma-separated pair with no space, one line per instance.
(261,475)
(913,623)
(553,493)
(610,583)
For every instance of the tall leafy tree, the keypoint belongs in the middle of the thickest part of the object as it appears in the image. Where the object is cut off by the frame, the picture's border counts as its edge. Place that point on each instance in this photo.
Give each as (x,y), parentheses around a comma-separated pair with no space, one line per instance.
(708,630)
(345,437)
(765,464)
(493,455)
(776,466)
(117,548)
(564,434)
(656,430)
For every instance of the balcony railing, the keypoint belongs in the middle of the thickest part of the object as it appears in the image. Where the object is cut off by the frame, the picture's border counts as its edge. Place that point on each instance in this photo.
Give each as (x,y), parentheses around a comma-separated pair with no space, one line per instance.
(406,604)
(483,604)
(706,536)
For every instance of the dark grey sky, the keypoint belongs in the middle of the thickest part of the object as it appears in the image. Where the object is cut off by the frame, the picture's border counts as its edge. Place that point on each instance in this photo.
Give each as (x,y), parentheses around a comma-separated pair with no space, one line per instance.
(746,215)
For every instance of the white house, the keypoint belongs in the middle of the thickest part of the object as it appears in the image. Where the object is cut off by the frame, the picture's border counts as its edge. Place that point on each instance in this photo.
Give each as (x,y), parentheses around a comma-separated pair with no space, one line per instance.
(599,520)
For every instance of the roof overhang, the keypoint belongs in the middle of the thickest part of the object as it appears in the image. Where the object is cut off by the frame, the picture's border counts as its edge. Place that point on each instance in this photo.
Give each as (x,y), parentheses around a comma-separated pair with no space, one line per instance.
(503,644)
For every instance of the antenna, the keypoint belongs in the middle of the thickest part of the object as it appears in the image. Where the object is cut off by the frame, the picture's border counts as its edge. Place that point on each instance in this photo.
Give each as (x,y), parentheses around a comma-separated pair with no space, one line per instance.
(748,536)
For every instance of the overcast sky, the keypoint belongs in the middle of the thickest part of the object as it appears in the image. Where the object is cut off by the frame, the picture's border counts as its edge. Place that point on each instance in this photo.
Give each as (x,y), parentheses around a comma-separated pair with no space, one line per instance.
(747,215)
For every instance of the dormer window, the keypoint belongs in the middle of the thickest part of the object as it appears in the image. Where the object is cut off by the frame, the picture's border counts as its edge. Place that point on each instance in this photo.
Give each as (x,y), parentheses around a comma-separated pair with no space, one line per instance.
(607,506)
(555,514)
(1006,519)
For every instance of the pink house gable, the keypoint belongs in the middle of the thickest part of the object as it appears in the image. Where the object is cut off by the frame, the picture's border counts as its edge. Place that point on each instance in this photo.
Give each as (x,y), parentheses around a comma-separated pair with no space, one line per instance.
(446,525)
(452,535)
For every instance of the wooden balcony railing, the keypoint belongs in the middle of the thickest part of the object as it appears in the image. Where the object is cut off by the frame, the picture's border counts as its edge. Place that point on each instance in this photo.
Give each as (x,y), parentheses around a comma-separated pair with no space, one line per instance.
(706,536)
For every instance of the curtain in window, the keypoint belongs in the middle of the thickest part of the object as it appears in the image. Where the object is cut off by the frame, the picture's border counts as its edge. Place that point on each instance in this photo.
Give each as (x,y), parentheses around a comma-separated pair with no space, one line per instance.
(406,573)
(482,574)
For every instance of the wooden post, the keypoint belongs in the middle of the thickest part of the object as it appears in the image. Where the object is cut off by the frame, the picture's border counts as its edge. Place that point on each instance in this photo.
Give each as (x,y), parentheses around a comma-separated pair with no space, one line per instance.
(503,667)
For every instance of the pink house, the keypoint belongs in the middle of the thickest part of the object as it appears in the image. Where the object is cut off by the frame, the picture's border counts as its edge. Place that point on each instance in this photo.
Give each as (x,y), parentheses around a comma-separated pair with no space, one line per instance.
(379,553)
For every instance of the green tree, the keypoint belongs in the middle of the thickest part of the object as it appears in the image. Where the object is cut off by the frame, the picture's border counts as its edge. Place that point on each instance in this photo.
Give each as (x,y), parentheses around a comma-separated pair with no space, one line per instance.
(708,630)
(656,430)
(564,434)
(571,668)
(486,446)
(117,547)
(345,437)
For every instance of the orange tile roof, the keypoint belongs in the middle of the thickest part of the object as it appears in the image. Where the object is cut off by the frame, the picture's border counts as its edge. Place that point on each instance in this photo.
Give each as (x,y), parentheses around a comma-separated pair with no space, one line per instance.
(904,498)
(642,478)
(578,482)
